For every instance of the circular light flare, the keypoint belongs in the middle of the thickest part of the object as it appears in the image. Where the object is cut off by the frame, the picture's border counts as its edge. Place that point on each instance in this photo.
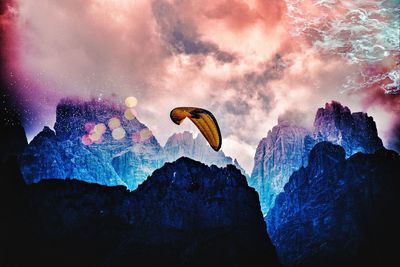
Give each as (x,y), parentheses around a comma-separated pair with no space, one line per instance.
(130,114)
(136,137)
(89,126)
(118,133)
(100,128)
(131,101)
(114,123)
(86,140)
(145,134)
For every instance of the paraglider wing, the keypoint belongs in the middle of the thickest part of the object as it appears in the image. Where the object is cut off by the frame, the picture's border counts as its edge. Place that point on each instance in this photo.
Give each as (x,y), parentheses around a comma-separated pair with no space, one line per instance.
(203,119)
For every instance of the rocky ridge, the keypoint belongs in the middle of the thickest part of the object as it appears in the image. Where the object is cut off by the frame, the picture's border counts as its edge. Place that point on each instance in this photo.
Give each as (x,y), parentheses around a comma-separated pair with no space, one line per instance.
(186,213)
(287,145)
(128,161)
(338,211)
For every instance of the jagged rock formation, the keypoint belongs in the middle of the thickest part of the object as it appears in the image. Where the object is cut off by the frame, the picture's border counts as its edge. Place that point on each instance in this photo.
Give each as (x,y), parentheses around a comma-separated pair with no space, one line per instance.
(136,163)
(277,156)
(337,211)
(355,132)
(286,147)
(185,214)
(183,144)
(61,154)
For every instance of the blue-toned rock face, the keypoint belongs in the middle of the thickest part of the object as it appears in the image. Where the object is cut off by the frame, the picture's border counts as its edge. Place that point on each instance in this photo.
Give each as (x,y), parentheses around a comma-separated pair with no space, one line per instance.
(183,144)
(184,214)
(337,211)
(64,153)
(355,132)
(279,154)
(286,147)
(70,153)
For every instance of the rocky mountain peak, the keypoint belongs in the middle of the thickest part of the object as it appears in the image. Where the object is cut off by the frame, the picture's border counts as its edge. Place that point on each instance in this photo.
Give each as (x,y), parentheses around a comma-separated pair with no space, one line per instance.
(345,204)
(287,146)
(77,149)
(277,156)
(186,213)
(356,132)
(183,144)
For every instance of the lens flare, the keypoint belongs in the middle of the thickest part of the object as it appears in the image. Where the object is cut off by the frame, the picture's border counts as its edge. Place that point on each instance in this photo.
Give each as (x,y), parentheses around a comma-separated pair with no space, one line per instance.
(114,123)
(130,114)
(86,140)
(100,128)
(95,137)
(145,134)
(131,101)
(141,136)
(118,133)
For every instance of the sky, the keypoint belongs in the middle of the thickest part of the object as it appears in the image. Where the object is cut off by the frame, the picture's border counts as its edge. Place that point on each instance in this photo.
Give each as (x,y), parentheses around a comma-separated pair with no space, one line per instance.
(248,62)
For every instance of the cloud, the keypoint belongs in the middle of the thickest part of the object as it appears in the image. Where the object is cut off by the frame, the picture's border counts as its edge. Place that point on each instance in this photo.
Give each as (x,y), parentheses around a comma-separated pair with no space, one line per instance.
(180,33)
(248,62)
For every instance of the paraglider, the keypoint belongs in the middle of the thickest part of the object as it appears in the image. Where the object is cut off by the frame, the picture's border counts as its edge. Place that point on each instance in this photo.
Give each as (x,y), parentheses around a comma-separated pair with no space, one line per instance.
(203,119)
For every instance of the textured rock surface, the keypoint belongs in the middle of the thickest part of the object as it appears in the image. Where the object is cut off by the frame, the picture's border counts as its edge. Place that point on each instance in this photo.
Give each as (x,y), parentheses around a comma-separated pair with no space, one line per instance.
(355,132)
(286,147)
(185,214)
(61,154)
(337,211)
(277,156)
(183,144)
(136,163)
(129,161)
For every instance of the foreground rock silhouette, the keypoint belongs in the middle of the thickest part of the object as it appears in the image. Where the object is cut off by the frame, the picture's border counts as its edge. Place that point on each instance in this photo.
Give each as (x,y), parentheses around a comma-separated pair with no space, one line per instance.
(337,211)
(185,214)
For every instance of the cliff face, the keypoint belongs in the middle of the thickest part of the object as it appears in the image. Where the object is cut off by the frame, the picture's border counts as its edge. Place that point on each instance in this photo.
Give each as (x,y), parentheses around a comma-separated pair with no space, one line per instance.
(63,154)
(70,153)
(355,132)
(337,211)
(286,147)
(185,214)
(277,156)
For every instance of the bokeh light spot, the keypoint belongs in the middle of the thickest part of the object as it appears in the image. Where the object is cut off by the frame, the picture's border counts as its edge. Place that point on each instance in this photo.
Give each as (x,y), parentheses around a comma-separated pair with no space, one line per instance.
(131,101)
(145,134)
(142,135)
(130,114)
(100,128)
(114,123)
(86,140)
(118,133)
(95,137)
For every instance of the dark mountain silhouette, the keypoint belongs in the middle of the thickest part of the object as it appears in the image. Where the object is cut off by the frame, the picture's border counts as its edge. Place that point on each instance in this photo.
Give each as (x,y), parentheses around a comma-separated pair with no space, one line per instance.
(185,214)
(287,145)
(337,211)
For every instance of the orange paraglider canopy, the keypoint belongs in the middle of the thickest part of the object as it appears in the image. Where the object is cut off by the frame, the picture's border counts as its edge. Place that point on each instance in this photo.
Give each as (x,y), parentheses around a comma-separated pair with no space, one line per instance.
(203,119)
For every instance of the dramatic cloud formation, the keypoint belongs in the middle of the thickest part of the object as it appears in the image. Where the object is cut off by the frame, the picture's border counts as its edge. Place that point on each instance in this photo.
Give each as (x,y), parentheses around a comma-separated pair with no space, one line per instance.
(246,61)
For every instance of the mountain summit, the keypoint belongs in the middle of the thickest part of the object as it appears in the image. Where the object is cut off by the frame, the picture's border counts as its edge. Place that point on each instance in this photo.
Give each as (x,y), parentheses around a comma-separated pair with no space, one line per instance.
(287,145)
(184,214)
(95,142)
(338,211)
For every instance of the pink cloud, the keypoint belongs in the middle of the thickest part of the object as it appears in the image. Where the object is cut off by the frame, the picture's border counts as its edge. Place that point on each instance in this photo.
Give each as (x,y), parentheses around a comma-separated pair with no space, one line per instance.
(246,61)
